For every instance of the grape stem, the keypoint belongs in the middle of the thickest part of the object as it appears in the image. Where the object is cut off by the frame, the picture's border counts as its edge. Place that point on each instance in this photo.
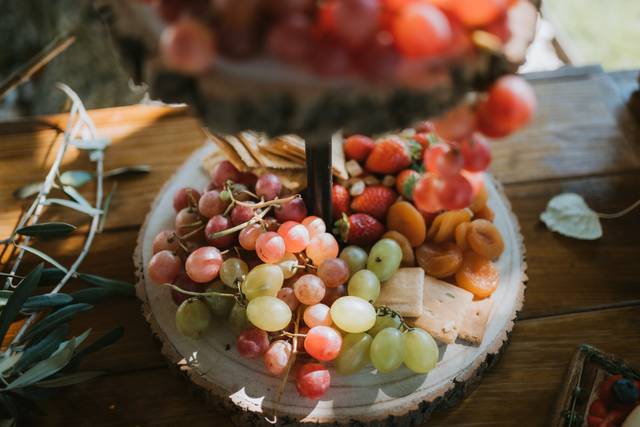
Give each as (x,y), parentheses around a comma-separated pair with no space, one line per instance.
(200,294)
(239,227)
(191,233)
(268,203)
(383,310)
(623,212)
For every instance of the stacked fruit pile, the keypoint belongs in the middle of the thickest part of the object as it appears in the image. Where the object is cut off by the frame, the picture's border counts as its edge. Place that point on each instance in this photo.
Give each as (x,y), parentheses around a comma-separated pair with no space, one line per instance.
(617,398)
(376,39)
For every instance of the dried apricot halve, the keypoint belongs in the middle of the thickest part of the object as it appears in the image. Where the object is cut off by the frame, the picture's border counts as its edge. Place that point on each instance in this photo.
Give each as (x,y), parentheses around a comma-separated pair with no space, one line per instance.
(479,200)
(408,258)
(461,235)
(445,225)
(439,259)
(486,213)
(477,275)
(404,218)
(485,239)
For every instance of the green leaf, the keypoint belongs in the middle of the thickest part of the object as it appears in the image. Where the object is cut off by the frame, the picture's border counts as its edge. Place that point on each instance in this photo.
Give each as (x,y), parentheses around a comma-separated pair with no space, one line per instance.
(47,367)
(47,300)
(4,297)
(71,379)
(569,215)
(75,178)
(122,288)
(73,205)
(44,347)
(128,170)
(54,319)
(9,362)
(91,144)
(51,276)
(92,295)
(104,341)
(27,191)
(24,289)
(47,229)
(43,256)
(105,207)
(76,196)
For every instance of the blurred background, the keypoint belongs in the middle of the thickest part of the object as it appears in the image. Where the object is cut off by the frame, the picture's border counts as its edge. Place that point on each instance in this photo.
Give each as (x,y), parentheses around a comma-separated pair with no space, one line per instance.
(570,32)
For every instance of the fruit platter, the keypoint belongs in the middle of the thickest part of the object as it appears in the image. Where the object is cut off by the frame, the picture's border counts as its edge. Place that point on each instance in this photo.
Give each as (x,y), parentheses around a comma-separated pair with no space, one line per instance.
(391,310)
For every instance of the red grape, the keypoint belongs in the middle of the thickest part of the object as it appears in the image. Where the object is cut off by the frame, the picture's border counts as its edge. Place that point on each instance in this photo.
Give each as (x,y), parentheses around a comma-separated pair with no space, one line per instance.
(313,380)
(333,272)
(510,104)
(295,235)
(424,194)
(293,210)
(288,296)
(476,13)
(185,197)
(184,282)
(223,172)
(210,204)
(309,289)
(187,220)
(455,192)
(203,264)
(277,357)
(333,294)
(188,46)
(241,214)
(456,124)
(290,39)
(249,235)
(164,267)
(356,20)
(252,343)
(268,186)
(317,315)
(270,247)
(476,153)
(421,30)
(165,240)
(323,343)
(216,224)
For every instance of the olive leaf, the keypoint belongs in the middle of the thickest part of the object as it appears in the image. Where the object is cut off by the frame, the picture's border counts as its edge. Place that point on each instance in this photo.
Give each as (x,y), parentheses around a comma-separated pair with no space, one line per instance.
(73,205)
(104,341)
(92,295)
(47,229)
(54,319)
(91,144)
(128,170)
(105,207)
(27,190)
(24,289)
(120,287)
(46,300)
(77,197)
(569,215)
(9,362)
(75,178)
(44,347)
(47,367)
(66,380)
(42,255)
(51,276)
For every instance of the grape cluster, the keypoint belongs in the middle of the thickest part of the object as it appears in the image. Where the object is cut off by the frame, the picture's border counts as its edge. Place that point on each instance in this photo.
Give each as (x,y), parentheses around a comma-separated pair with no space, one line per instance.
(375,39)
(282,283)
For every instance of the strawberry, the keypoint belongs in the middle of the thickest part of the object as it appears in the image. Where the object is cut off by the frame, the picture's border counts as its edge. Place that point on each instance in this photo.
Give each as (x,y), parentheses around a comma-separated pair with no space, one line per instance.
(340,199)
(389,156)
(358,147)
(359,229)
(375,201)
(405,181)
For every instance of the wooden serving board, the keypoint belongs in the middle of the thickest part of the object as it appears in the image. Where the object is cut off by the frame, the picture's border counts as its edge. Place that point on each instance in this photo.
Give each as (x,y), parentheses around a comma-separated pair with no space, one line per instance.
(243,385)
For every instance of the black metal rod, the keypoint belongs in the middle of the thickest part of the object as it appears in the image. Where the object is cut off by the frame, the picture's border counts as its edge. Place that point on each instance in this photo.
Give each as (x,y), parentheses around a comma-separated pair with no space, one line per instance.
(319,176)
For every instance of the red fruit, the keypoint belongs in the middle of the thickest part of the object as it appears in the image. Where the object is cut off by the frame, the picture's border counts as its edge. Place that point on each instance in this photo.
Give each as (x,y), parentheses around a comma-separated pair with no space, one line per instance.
(421,30)
(313,380)
(476,153)
(455,192)
(405,183)
(424,194)
(500,28)
(389,156)
(510,104)
(358,147)
(605,391)
(476,13)
(360,229)
(423,138)
(375,201)
(340,199)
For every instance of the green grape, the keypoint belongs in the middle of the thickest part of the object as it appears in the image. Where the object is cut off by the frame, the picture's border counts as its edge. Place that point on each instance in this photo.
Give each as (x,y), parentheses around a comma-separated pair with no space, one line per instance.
(364,284)
(264,280)
(420,351)
(356,258)
(289,265)
(220,306)
(387,350)
(238,318)
(193,318)
(353,314)
(232,271)
(268,313)
(384,258)
(385,321)
(354,354)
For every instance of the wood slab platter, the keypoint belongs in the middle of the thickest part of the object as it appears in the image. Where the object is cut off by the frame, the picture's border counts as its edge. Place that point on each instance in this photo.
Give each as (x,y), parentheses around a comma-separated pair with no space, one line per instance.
(399,398)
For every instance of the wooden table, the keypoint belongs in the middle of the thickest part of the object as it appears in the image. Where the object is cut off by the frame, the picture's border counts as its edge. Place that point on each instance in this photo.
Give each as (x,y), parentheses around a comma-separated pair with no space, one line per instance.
(578,292)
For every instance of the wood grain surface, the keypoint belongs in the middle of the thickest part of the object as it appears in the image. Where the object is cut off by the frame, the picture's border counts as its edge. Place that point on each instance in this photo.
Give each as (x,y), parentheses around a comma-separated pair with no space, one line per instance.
(579,292)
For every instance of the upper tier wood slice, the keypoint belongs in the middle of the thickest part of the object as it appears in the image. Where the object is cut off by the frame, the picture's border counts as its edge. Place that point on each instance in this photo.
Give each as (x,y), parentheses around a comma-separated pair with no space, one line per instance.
(398,398)
(268,96)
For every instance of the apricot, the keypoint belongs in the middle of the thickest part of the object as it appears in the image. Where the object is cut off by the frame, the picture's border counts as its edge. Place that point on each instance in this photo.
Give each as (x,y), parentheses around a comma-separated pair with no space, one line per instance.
(479,200)
(408,258)
(484,239)
(445,225)
(486,213)
(477,275)
(404,218)
(439,259)
(461,235)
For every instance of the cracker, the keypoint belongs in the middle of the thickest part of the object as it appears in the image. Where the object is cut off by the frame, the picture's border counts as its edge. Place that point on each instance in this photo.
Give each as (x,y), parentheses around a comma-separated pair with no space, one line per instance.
(227,150)
(445,306)
(290,144)
(474,323)
(403,292)
(251,141)
(242,151)
(338,164)
(266,146)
